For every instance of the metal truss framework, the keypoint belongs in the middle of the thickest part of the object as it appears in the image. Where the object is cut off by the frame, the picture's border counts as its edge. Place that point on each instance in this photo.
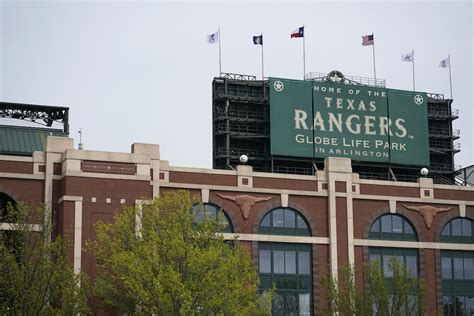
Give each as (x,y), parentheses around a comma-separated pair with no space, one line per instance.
(40,114)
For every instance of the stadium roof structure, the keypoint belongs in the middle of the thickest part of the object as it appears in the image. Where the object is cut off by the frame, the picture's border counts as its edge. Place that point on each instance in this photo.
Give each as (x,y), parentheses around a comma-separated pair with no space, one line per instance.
(24,140)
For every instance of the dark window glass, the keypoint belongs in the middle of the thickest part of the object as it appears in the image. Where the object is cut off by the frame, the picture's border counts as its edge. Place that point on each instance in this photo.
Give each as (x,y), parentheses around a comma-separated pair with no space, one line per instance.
(374,257)
(266,221)
(470,305)
(303,262)
(387,224)
(265,261)
(301,222)
(408,229)
(278,220)
(411,265)
(397,224)
(446,231)
(446,269)
(466,228)
(456,227)
(290,262)
(387,266)
(278,261)
(458,268)
(289,219)
(284,221)
(468,269)
(203,211)
(375,227)
(460,306)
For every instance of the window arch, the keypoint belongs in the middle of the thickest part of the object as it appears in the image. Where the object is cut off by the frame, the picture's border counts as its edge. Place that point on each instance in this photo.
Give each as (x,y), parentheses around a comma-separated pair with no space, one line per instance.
(5,202)
(284,221)
(458,230)
(457,268)
(392,227)
(212,211)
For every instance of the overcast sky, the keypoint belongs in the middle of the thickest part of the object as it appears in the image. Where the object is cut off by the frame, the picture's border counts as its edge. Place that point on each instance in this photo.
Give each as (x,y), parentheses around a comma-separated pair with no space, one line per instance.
(142,71)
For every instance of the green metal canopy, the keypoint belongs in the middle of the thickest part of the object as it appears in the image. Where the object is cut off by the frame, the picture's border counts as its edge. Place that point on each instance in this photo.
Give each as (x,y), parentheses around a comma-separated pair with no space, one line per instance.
(23,141)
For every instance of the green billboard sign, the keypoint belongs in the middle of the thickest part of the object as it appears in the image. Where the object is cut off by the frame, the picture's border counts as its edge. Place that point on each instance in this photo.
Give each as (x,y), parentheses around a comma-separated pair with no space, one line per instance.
(322,119)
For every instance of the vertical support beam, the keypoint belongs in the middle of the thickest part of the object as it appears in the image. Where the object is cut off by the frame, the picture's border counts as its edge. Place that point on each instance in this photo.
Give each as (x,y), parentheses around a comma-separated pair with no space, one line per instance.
(77,235)
(332,223)
(350,220)
(74,222)
(340,170)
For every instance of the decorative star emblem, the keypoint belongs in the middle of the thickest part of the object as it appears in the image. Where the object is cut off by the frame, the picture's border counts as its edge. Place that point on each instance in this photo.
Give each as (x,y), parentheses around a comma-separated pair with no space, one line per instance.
(418,99)
(278,86)
(336,78)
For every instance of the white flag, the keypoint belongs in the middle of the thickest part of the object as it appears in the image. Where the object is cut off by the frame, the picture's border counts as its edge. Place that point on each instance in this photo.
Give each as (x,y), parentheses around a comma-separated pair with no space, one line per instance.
(444,63)
(213,38)
(407,57)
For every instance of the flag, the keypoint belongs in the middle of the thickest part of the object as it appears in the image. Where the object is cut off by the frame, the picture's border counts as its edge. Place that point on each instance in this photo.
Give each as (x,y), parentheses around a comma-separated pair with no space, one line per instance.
(407,57)
(213,38)
(368,40)
(444,63)
(258,40)
(298,32)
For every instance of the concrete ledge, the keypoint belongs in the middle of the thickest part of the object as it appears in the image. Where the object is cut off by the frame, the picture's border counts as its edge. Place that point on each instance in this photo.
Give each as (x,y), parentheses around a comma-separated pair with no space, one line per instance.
(412,244)
(277,238)
(69,198)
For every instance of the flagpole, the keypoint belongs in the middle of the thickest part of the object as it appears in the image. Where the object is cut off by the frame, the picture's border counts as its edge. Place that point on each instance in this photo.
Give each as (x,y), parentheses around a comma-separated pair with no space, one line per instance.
(220,57)
(262,57)
(450,83)
(373,55)
(413,62)
(304,55)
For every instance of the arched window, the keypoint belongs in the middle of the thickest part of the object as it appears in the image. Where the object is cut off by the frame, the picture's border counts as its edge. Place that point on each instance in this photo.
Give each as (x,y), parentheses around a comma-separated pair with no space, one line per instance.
(287,265)
(284,221)
(5,203)
(457,268)
(212,211)
(458,230)
(392,227)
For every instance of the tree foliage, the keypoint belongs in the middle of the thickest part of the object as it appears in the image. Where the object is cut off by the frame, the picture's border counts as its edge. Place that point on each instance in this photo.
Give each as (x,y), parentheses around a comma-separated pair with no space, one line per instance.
(159,260)
(36,277)
(402,294)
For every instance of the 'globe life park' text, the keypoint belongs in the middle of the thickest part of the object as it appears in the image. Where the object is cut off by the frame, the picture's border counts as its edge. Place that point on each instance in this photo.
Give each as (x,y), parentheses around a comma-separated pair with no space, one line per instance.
(350,126)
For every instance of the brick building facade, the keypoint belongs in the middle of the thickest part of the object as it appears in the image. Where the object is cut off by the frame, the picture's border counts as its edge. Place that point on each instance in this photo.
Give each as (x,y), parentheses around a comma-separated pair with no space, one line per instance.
(294,225)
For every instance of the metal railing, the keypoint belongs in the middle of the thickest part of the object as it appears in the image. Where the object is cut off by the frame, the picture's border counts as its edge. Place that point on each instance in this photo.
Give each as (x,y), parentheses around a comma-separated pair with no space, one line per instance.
(233,76)
(241,114)
(437,96)
(256,130)
(444,132)
(365,81)
(292,170)
(237,152)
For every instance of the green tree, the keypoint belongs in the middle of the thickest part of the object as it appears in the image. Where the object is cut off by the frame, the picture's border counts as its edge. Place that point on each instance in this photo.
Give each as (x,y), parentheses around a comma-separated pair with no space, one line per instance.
(402,294)
(36,277)
(160,260)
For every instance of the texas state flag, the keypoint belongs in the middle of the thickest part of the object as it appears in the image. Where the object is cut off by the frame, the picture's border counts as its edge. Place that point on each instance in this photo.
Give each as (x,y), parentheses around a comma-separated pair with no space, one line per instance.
(298,32)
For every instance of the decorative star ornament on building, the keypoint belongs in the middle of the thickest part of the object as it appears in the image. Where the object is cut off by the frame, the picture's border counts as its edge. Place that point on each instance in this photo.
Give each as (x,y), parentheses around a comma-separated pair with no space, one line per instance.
(278,86)
(418,99)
